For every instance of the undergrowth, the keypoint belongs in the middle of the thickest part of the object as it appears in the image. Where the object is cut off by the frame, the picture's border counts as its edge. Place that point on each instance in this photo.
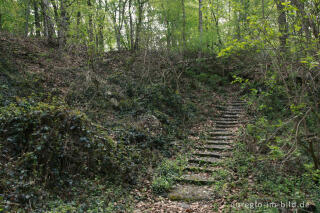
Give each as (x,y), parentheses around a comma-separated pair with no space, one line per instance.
(166,173)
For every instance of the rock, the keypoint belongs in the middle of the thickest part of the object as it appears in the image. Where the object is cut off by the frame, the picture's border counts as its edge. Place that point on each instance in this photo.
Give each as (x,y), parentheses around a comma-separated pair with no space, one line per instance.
(184,205)
(114,102)
(149,121)
(108,93)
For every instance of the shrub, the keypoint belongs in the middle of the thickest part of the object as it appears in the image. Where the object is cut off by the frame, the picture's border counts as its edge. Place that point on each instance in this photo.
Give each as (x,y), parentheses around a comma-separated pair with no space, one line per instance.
(161,184)
(165,174)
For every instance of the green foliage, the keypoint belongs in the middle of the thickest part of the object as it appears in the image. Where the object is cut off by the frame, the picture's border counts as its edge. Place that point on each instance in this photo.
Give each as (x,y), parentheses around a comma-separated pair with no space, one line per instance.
(50,147)
(166,173)
(162,184)
(99,198)
(268,183)
(1,201)
(213,80)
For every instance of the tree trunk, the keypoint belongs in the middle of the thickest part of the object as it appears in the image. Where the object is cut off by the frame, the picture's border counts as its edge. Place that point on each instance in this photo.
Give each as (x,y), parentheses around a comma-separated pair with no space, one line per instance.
(26,29)
(0,22)
(118,37)
(78,24)
(56,16)
(283,25)
(100,34)
(184,27)
(63,24)
(44,19)
(138,26)
(48,25)
(90,23)
(36,17)
(200,26)
(91,50)
(200,18)
(131,26)
(216,20)
(262,8)
(168,35)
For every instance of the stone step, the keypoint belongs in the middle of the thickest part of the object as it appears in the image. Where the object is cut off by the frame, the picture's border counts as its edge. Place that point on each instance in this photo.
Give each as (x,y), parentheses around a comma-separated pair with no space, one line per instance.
(226,122)
(230,116)
(191,193)
(222,133)
(214,147)
(225,126)
(220,130)
(237,103)
(234,109)
(201,178)
(231,113)
(230,108)
(193,167)
(226,137)
(219,142)
(204,160)
(208,154)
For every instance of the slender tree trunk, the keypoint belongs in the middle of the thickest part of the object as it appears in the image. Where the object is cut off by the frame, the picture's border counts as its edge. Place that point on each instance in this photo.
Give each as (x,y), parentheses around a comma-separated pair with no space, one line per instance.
(78,24)
(200,18)
(0,22)
(216,20)
(166,21)
(118,37)
(168,35)
(100,24)
(200,26)
(283,25)
(139,23)
(26,29)
(56,17)
(262,8)
(131,26)
(91,51)
(48,25)
(36,17)
(63,24)
(238,28)
(90,23)
(44,19)
(184,27)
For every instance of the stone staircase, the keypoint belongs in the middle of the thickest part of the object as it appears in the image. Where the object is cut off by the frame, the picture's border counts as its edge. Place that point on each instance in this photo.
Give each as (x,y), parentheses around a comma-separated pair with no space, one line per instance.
(195,183)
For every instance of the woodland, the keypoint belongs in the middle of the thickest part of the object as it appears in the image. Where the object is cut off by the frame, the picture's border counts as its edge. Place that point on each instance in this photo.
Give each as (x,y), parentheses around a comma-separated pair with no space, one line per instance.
(102,100)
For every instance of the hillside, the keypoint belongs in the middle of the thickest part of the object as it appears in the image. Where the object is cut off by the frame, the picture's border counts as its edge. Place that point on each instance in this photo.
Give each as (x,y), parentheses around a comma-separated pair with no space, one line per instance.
(57,103)
(159,106)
